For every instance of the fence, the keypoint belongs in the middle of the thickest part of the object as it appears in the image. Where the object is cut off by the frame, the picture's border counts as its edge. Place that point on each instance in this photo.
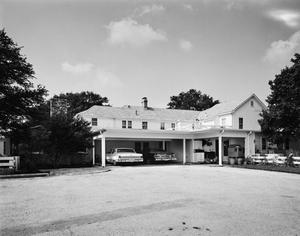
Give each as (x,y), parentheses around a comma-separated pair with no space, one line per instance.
(10,162)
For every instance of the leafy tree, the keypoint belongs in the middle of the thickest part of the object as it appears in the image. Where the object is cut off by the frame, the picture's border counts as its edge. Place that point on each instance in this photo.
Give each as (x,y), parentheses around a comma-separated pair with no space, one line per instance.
(67,135)
(81,101)
(19,98)
(192,100)
(60,136)
(282,119)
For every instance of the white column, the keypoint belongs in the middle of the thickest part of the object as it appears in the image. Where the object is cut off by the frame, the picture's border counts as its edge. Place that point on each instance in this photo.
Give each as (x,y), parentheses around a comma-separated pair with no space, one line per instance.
(93,152)
(184,152)
(193,148)
(103,152)
(220,150)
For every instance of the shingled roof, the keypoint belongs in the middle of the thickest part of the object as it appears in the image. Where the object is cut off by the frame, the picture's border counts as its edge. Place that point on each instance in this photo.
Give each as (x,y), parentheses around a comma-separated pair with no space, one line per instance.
(139,112)
(226,108)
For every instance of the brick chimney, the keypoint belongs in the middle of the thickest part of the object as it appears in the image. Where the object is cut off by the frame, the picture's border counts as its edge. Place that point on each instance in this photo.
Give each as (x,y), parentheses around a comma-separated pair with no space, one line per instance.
(145,103)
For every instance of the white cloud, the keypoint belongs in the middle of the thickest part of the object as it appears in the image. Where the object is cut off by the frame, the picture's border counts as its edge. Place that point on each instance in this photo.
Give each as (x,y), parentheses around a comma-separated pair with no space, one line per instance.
(153,9)
(280,52)
(288,17)
(128,31)
(107,78)
(185,45)
(188,7)
(79,68)
(238,4)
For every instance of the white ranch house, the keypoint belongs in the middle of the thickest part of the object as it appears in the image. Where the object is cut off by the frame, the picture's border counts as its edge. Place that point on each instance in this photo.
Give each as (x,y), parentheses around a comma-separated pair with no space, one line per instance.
(178,131)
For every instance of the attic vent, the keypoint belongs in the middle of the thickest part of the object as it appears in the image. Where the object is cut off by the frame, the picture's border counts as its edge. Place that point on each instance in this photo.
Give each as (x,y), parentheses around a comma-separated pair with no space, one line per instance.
(136,113)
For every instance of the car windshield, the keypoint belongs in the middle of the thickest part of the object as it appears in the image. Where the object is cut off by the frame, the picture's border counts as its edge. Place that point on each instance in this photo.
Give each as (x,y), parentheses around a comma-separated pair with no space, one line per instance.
(125,150)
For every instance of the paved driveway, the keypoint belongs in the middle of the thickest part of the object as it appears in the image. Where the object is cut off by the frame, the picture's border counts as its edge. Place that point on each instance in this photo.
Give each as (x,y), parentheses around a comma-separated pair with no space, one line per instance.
(154,200)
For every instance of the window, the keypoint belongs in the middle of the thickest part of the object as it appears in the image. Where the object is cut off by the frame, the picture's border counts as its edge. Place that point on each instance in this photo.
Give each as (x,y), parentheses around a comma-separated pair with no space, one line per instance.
(124,124)
(94,121)
(129,124)
(144,125)
(162,125)
(252,104)
(241,121)
(173,126)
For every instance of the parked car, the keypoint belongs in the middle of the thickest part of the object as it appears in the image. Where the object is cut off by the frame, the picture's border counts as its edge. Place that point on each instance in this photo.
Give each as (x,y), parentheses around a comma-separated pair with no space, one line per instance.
(124,155)
(160,155)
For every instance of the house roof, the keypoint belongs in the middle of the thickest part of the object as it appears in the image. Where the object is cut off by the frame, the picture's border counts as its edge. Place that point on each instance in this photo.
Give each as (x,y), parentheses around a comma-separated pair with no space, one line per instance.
(163,114)
(226,108)
(218,109)
(139,112)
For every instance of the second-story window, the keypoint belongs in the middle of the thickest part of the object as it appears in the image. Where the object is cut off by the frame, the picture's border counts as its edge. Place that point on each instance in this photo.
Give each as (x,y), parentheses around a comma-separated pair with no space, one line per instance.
(94,121)
(124,124)
(173,126)
(241,123)
(144,125)
(129,124)
(162,125)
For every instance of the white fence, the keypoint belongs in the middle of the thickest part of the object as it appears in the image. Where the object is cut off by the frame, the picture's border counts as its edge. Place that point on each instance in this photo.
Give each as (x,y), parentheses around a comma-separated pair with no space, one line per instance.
(273,159)
(10,162)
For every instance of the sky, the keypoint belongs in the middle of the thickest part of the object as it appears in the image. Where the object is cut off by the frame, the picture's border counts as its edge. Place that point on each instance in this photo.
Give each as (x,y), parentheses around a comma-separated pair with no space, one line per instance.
(126,50)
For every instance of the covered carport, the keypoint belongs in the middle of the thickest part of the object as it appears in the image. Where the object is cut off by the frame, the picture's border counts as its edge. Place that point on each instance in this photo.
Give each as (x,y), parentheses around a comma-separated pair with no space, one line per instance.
(174,141)
(221,138)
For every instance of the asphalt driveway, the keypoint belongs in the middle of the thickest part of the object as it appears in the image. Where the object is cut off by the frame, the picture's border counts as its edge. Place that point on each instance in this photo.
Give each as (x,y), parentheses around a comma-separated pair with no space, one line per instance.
(153,200)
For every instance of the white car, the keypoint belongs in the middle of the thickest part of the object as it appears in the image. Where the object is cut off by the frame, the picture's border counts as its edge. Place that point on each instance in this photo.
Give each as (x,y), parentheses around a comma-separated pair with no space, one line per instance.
(124,155)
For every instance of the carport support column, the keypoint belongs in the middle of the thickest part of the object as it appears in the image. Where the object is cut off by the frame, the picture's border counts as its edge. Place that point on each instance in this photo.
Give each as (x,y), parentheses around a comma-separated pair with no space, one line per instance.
(220,150)
(93,152)
(103,152)
(184,152)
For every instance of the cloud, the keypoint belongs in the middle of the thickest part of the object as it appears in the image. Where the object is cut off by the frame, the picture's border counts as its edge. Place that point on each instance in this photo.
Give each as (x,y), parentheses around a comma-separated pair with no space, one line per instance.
(238,4)
(153,9)
(288,17)
(185,45)
(80,68)
(128,31)
(280,52)
(107,78)
(188,7)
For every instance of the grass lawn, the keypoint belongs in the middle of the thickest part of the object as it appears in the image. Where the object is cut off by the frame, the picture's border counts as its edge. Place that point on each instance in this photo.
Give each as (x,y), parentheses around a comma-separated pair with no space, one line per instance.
(287,169)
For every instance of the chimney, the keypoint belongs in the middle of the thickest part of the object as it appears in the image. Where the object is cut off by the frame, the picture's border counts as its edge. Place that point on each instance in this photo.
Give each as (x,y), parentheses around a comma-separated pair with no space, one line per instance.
(145,103)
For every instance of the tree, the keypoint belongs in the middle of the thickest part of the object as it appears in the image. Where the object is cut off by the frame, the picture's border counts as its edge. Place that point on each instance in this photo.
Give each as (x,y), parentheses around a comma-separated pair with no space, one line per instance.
(192,100)
(19,98)
(282,119)
(81,101)
(67,136)
(60,136)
